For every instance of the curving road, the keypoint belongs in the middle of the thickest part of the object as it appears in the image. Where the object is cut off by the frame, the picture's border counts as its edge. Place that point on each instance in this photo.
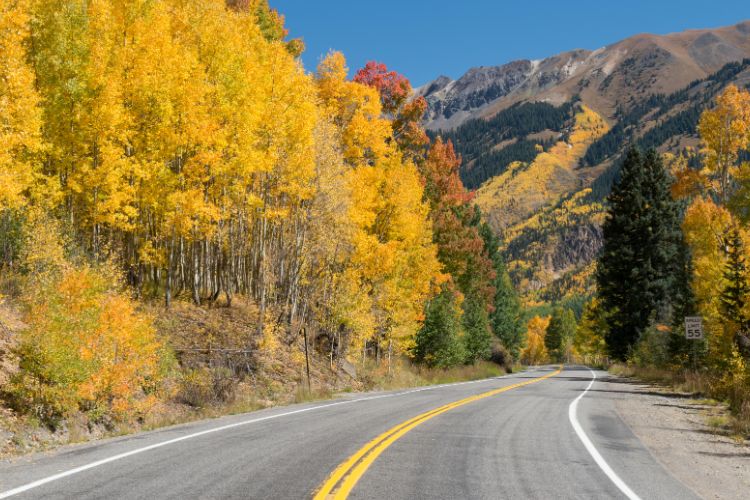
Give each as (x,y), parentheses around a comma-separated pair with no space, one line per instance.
(507,437)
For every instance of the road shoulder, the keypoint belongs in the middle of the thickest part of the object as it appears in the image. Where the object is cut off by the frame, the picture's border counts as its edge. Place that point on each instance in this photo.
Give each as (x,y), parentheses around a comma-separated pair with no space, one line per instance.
(674,427)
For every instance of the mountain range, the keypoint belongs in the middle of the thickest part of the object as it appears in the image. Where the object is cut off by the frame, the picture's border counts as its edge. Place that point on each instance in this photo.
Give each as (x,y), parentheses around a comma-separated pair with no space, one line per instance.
(541,140)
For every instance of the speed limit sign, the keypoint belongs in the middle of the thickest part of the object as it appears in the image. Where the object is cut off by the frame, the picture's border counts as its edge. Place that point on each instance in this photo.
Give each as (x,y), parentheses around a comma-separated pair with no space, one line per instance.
(693,327)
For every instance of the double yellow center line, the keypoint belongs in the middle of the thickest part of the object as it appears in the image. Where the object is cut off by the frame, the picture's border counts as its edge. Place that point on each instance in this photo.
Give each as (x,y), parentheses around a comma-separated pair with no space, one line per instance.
(350,471)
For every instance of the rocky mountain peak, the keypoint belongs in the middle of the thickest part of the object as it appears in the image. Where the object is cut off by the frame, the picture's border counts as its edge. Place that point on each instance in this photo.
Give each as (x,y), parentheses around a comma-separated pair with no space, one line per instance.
(616,76)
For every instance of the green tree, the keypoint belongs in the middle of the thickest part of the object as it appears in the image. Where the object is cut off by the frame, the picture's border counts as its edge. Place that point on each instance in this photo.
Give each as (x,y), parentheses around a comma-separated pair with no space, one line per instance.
(589,341)
(438,342)
(560,333)
(476,325)
(505,318)
(736,291)
(636,268)
(682,350)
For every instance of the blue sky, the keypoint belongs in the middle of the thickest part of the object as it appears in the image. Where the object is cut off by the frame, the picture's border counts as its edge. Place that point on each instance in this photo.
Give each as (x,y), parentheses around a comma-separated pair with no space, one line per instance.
(424,39)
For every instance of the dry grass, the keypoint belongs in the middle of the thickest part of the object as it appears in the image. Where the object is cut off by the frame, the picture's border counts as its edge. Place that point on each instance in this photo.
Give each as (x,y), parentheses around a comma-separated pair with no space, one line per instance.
(704,388)
(305,395)
(683,382)
(404,375)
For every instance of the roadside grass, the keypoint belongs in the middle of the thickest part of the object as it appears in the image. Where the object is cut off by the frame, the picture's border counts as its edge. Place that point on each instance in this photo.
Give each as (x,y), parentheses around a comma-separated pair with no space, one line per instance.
(718,421)
(404,375)
(704,392)
(682,382)
(27,434)
(706,402)
(304,395)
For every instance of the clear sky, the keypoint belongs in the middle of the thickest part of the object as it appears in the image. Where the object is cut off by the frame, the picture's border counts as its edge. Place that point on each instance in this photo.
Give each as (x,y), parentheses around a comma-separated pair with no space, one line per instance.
(426,38)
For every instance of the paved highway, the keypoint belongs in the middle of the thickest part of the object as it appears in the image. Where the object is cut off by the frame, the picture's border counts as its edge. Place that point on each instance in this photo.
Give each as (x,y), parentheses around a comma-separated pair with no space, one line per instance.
(543,433)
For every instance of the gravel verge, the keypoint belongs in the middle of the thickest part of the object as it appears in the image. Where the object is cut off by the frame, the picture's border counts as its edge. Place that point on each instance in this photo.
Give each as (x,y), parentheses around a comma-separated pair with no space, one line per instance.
(685,435)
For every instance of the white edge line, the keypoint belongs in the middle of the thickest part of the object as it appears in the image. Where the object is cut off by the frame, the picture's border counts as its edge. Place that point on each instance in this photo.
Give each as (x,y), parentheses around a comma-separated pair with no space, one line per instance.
(82,468)
(603,465)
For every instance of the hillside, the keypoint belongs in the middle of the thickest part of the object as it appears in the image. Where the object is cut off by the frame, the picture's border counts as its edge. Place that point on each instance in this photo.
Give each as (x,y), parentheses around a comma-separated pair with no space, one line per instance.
(541,209)
(532,159)
(513,196)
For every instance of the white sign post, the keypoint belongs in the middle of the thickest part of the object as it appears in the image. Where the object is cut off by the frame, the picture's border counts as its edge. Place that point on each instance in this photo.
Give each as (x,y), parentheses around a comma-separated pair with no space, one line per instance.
(693,327)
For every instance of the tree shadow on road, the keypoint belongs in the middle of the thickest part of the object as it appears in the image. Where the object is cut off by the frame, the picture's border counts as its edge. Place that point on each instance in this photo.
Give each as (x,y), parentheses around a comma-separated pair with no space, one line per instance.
(725,455)
(647,393)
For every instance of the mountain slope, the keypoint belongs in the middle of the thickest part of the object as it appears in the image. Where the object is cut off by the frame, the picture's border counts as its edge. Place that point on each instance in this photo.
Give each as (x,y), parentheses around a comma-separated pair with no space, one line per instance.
(514,196)
(540,182)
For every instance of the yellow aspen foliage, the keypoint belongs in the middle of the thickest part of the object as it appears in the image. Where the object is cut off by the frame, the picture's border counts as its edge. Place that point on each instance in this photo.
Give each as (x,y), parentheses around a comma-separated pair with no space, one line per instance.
(20,117)
(356,109)
(78,61)
(535,352)
(688,182)
(193,150)
(43,252)
(393,255)
(706,225)
(724,131)
(333,285)
(589,344)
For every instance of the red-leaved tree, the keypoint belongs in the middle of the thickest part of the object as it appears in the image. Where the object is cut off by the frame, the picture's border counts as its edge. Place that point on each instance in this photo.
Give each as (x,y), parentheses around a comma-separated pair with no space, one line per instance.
(395,92)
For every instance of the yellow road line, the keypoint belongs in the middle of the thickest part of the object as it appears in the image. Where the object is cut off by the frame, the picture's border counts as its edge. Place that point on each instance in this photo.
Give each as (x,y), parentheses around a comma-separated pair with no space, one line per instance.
(353,468)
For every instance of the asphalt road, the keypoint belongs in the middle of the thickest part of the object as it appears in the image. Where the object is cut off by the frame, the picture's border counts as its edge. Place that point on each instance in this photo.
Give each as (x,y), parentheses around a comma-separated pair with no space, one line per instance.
(518,443)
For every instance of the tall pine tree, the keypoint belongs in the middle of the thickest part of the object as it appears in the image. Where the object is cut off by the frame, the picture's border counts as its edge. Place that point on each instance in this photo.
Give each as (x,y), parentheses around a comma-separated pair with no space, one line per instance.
(636,269)
(734,295)
(476,324)
(438,342)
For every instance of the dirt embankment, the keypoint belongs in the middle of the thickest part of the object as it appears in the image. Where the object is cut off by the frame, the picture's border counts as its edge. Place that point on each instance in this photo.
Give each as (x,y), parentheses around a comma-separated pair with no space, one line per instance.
(10,322)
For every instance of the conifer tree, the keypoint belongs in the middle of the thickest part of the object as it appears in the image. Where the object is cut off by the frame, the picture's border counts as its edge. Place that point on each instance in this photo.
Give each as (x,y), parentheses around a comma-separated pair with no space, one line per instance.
(683,304)
(635,273)
(665,241)
(438,341)
(736,291)
(476,324)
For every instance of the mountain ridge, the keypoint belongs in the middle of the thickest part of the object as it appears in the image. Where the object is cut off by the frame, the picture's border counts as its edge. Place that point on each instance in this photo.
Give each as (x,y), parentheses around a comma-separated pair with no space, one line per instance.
(634,67)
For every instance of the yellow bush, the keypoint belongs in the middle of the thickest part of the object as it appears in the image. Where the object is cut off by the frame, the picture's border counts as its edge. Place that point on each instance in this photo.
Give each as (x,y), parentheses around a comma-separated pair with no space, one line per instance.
(87,349)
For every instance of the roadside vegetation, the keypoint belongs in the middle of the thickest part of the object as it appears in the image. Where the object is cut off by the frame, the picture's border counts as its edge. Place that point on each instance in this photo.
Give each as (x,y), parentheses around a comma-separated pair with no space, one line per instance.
(676,244)
(192,224)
